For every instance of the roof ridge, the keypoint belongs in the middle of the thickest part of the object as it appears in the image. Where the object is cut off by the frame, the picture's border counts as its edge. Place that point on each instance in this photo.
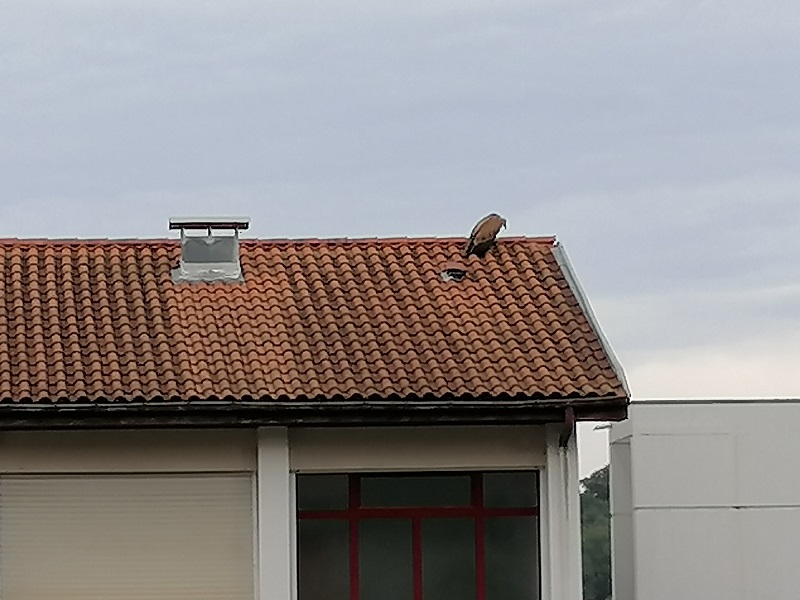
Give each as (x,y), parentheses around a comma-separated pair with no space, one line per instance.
(80,241)
(548,240)
(396,240)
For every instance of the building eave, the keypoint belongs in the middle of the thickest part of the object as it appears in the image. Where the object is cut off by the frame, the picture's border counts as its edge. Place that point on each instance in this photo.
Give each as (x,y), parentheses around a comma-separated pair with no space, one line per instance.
(352,413)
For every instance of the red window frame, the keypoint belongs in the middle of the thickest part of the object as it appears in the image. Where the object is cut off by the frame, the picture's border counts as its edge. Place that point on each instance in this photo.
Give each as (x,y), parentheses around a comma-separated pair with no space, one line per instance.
(476,510)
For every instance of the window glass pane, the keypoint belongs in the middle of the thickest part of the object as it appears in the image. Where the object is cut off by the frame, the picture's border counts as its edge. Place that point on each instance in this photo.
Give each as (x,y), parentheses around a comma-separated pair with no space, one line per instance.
(448,559)
(515,489)
(404,490)
(512,558)
(323,559)
(322,492)
(385,565)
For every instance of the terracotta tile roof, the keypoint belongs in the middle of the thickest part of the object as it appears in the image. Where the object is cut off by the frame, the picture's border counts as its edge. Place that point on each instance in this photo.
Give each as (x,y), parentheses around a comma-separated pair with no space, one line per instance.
(315,320)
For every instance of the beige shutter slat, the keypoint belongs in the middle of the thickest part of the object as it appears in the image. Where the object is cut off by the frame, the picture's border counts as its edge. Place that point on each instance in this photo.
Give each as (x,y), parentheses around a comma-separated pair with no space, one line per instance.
(165,537)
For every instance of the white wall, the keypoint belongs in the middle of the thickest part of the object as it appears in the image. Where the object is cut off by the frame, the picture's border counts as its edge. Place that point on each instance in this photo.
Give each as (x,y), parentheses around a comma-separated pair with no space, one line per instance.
(274,454)
(128,451)
(706,500)
(416,448)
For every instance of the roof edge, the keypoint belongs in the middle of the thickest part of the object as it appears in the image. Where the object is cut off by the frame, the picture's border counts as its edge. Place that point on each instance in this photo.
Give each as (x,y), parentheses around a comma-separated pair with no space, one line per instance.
(216,403)
(308,414)
(714,400)
(546,240)
(583,301)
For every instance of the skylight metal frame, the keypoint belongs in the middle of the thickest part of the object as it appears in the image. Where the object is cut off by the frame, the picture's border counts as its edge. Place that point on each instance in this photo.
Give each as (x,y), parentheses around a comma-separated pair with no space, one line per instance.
(228,271)
(235,223)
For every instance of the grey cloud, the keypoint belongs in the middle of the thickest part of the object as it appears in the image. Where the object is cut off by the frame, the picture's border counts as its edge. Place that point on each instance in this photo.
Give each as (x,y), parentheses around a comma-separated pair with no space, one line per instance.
(570,94)
(659,140)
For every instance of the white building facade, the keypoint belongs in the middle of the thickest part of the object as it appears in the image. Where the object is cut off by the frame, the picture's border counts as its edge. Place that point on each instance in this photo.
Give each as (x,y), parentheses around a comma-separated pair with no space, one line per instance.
(705,501)
(214,513)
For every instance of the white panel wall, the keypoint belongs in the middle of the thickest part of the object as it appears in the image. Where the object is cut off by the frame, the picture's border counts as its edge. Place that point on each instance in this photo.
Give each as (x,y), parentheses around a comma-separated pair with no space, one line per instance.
(416,448)
(623,561)
(770,559)
(697,469)
(689,554)
(713,508)
(136,451)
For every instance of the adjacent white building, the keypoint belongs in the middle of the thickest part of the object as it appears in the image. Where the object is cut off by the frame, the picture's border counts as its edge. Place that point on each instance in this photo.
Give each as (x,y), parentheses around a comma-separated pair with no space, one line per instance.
(705,500)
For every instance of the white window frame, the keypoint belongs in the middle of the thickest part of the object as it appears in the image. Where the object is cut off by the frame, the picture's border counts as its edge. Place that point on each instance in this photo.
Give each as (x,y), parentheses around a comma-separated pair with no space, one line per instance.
(283,452)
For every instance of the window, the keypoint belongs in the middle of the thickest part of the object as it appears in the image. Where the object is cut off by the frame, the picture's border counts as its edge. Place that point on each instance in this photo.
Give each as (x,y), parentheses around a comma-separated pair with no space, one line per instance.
(413,536)
(126,537)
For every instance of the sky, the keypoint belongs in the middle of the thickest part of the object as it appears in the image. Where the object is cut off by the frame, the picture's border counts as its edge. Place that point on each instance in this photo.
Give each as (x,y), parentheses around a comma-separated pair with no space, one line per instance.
(659,140)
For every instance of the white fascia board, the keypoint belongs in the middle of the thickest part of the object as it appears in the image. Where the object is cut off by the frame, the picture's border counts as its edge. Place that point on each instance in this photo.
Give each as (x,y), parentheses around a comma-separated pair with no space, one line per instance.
(569,274)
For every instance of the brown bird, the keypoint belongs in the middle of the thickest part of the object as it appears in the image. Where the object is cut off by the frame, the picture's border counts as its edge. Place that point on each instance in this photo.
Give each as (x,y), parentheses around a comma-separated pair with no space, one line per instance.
(484,234)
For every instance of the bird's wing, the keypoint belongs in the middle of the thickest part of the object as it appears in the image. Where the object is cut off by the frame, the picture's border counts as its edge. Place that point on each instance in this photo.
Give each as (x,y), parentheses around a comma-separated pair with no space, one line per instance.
(487,229)
(484,233)
(479,225)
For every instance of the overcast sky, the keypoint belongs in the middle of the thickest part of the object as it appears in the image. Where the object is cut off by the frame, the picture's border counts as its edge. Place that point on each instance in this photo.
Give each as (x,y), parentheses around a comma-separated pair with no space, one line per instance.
(660,140)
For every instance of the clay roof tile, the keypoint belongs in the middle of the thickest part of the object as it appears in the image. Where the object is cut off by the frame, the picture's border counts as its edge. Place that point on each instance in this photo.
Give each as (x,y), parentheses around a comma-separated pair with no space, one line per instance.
(372,318)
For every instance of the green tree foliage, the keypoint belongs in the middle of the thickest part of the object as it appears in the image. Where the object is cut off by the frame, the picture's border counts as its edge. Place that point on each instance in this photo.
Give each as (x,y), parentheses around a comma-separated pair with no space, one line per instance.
(596,536)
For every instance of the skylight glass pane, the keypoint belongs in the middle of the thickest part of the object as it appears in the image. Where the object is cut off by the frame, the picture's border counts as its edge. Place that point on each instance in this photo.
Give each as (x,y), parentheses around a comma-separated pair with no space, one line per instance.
(209,250)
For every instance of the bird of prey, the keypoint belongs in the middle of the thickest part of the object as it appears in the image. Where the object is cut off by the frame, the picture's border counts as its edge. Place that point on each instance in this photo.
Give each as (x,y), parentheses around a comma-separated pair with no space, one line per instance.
(484,234)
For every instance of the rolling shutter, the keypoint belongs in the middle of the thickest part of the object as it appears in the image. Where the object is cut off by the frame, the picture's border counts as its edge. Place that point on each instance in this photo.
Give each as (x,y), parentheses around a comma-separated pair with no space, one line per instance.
(126,537)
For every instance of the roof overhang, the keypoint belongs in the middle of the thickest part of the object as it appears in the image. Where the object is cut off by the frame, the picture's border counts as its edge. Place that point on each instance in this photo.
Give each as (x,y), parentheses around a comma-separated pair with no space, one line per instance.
(221,413)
